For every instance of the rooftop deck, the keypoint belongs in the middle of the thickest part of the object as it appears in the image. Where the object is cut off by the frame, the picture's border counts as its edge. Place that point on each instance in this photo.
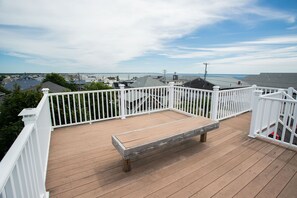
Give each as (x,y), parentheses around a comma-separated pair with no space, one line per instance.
(84,163)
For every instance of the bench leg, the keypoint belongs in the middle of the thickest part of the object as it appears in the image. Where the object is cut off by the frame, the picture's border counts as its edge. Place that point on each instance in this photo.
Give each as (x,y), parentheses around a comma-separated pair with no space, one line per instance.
(126,165)
(203,137)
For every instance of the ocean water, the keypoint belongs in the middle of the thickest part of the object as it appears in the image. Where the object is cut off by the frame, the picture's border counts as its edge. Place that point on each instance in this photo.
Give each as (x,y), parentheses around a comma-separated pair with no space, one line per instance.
(127,76)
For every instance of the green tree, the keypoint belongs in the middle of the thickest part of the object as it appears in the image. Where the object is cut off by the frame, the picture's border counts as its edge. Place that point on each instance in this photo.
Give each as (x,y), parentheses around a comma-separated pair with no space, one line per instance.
(60,80)
(10,123)
(96,86)
(2,89)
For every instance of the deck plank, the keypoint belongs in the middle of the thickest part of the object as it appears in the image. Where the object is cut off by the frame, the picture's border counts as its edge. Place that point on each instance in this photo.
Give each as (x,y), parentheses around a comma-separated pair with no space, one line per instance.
(84,163)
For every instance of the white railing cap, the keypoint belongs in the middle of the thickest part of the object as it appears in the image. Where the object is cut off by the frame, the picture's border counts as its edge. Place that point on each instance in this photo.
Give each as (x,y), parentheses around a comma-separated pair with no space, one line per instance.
(45,90)
(28,112)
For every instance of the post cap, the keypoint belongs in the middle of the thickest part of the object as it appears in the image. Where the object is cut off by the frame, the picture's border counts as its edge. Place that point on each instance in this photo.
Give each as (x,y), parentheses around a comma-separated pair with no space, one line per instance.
(254,85)
(216,88)
(121,85)
(45,90)
(28,112)
(171,83)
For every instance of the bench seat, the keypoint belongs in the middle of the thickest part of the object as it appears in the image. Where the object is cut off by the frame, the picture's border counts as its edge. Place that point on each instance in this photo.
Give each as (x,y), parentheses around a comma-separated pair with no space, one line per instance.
(132,143)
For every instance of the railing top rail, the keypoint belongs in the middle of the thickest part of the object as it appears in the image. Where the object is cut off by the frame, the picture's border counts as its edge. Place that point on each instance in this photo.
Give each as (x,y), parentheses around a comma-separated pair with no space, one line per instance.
(9,161)
(271,94)
(80,92)
(237,89)
(278,99)
(276,88)
(204,90)
(137,88)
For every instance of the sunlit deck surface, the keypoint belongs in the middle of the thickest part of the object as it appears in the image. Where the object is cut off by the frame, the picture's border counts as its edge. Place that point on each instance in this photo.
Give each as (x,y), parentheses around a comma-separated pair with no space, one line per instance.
(83,163)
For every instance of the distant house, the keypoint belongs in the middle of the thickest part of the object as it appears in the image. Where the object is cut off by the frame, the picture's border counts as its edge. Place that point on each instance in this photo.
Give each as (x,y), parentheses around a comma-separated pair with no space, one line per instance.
(210,82)
(23,83)
(53,87)
(278,80)
(146,81)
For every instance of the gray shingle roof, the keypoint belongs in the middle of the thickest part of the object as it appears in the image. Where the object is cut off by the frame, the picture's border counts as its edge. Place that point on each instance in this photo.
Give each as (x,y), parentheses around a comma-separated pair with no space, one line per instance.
(146,81)
(24,83)
(277,80)
(53,87)
(227,82)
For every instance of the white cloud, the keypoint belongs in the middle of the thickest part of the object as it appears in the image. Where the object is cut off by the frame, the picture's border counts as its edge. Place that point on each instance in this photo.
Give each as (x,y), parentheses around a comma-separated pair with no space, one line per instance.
(271,54)
(97,34)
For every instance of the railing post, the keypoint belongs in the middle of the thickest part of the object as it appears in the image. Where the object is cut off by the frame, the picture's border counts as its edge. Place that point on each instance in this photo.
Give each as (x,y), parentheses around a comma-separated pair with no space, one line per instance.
(171,94)
(122,102)
(45,90)
(255,102)
(214,102)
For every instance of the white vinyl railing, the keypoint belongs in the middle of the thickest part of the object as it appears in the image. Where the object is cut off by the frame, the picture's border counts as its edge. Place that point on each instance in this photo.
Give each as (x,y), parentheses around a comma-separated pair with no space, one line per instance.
(267,90)
(146,100)
(23,168)
(233,102)
(72,108)
(193,101)
(274,118)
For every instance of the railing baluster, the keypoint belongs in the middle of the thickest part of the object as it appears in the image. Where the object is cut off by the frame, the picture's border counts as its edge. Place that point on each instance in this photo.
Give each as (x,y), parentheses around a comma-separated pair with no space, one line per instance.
(94,106)
(59,112)
(27,172)
(98,103)
(115,103)
(111,105)
(30,166)
(102,105)
(85,108)
(64,111)
(74,108)
(79,107)
(20,181)
(89,106)
(69,106)
(53,112)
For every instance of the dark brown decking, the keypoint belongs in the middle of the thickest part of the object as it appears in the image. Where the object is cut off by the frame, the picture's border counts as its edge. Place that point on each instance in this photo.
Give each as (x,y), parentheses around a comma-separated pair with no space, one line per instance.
(83,163)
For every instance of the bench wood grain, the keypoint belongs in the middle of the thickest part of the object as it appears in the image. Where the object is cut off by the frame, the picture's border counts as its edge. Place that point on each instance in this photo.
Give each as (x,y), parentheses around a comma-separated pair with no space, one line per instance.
(133,143)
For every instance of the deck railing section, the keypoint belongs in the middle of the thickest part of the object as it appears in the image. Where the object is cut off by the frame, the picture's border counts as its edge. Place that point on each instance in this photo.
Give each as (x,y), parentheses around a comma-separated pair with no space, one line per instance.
(146,100)
(233,102)
(267,90)
(72,108)
(274,118)
(193,101)
(23,168)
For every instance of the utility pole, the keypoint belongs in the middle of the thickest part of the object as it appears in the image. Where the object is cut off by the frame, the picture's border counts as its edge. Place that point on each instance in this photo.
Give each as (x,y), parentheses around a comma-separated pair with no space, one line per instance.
(205,72)
(165,75)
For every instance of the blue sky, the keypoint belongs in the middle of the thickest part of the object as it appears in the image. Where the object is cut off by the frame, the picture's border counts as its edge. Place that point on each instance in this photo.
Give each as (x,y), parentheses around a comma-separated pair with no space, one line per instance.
(233,36)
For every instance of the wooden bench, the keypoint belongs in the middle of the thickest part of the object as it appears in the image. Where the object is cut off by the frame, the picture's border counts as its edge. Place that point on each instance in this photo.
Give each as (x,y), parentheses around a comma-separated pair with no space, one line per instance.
(133,143)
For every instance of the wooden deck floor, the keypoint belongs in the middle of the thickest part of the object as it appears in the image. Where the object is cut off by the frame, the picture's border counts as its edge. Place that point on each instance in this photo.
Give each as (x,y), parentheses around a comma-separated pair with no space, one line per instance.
(83,163)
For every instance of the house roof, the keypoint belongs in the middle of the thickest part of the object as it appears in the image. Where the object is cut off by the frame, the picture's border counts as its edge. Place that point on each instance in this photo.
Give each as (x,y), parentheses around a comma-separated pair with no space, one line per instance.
(146,81)
(226,82)
(53,87)
(223,82)
(24,83)
(278,80)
